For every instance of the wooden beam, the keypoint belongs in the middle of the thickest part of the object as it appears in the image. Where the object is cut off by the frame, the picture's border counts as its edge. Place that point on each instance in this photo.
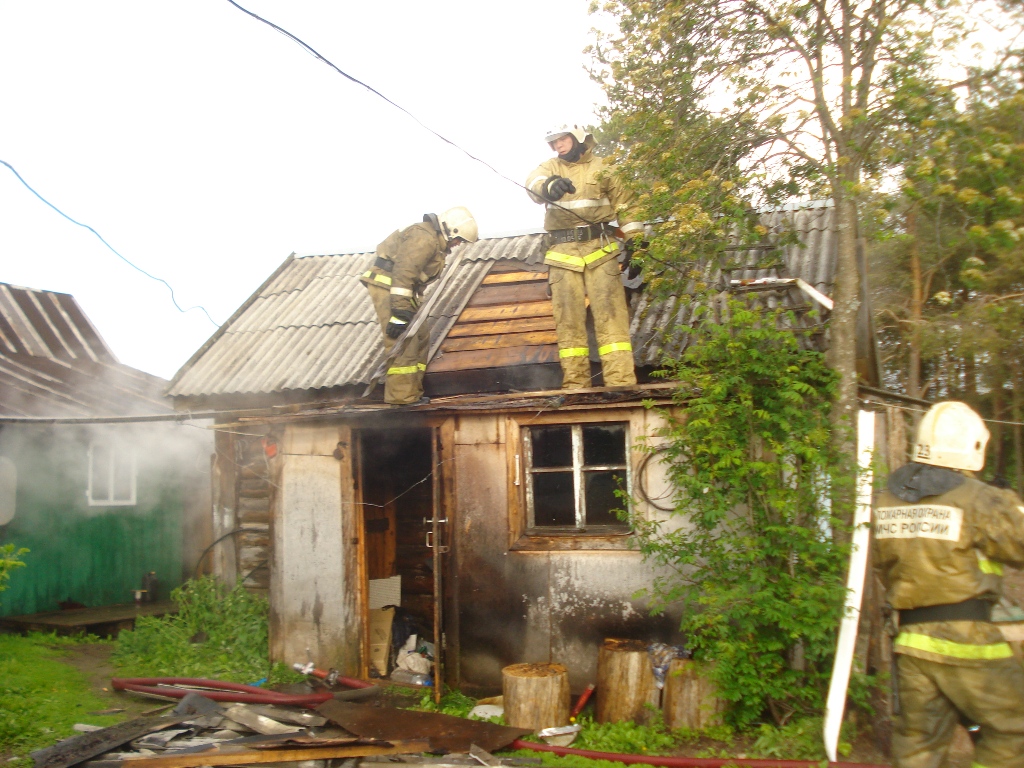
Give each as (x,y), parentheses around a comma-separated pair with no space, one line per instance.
(509,293)
(493,358)
(499,341)
(496,327)
(236,755)
(514,277)
(531,309)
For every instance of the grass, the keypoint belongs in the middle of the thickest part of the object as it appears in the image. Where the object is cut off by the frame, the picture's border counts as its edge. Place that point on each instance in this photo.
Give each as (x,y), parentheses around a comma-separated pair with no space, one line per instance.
(217,633)
(41,698)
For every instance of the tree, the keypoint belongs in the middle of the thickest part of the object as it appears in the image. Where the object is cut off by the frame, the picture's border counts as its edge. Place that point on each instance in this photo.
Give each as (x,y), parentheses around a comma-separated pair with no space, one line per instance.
(753,560)
(792,96)
(949,263)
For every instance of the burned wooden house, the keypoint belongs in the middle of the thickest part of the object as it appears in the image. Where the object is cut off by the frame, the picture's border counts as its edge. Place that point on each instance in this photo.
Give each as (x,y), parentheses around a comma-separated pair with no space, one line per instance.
(494,504)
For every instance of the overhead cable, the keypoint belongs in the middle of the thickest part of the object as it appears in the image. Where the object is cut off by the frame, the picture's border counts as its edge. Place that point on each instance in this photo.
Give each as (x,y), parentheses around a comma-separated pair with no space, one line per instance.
(137,268)
(316,54)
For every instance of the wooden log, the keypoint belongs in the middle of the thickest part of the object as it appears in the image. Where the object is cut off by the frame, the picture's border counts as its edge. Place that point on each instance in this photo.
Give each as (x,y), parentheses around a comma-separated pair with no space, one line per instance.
(625,682)
(536,695)
(691,700)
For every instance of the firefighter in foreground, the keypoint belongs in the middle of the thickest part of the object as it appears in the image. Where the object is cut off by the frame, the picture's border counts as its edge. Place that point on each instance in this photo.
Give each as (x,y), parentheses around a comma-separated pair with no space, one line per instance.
(406,262)
(942,540)
(583,197)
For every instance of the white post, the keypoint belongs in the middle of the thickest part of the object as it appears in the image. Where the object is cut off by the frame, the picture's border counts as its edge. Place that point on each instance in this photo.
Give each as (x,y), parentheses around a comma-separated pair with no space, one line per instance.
(836,701)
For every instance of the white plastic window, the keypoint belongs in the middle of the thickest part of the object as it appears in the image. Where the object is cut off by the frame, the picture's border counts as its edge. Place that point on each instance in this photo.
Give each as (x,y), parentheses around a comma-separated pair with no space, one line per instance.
(111,475)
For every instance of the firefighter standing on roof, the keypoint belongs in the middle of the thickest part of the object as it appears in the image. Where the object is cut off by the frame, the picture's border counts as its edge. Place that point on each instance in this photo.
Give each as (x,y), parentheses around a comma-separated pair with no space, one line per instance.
(405,263)
(942,538)
(583,197)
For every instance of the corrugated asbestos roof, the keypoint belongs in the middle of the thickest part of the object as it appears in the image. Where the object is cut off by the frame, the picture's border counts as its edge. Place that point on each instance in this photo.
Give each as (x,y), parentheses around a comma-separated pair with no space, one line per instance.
(53,363)
(312,325)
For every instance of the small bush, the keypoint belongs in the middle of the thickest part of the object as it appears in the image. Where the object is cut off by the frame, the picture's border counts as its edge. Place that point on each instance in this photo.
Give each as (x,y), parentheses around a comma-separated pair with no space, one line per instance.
(217,633)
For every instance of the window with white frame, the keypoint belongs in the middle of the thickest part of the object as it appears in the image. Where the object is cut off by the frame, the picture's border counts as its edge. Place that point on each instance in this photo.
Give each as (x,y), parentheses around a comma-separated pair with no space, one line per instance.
(572,474)
(111,475)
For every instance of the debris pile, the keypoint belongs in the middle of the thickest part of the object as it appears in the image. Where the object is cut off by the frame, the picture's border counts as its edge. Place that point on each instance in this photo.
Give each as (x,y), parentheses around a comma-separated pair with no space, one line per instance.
(202,732)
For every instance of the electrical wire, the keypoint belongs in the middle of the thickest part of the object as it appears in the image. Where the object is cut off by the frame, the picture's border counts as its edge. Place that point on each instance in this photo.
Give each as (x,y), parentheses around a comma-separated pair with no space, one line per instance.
(137,268)
(316,54)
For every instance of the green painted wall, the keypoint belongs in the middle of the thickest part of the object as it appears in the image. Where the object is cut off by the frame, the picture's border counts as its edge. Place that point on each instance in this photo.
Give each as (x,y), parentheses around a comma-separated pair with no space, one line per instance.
(91,554)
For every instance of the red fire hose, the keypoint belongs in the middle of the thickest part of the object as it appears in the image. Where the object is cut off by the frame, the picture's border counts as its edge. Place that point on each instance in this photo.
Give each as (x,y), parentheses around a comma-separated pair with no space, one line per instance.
(683,762)
(219,690)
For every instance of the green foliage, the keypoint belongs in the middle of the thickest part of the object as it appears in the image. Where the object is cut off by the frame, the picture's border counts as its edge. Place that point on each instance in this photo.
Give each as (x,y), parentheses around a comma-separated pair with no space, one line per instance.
(217,633)
(453,703)
(797,740)
(10,558)
(750,551)
(40,697)
(627,737)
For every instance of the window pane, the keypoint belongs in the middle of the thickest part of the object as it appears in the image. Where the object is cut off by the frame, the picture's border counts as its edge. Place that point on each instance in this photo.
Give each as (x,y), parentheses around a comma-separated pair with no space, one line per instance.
(604,444)
(122,477)
(552,446)
(601,498)
(553,501)
(101,472)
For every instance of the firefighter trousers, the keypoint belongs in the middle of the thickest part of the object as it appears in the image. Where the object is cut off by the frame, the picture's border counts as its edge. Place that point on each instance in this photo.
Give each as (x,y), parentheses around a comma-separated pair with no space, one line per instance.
(932,698)
(404,381)
(569,291)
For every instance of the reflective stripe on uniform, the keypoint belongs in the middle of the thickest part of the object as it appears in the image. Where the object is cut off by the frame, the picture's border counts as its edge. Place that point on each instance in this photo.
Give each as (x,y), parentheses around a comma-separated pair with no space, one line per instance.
(952,649)
(396,291)
(616,346)
(378,278)
(990,566)
(403,370)
(532,183)
(574,352)
(397,320)
(581,261)
(588,203)
(634,226)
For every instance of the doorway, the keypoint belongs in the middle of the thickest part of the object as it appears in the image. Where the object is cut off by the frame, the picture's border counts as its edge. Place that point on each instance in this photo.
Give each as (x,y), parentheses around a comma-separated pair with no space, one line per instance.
(399,497)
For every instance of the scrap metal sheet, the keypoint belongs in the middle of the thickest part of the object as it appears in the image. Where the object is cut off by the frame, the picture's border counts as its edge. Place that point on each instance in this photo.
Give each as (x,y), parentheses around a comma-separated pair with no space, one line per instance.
(444,732)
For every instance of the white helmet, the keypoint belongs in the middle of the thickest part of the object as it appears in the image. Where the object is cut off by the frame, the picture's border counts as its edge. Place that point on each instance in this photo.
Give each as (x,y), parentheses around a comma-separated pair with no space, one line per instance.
(581,134)
(952,435)
(458,222)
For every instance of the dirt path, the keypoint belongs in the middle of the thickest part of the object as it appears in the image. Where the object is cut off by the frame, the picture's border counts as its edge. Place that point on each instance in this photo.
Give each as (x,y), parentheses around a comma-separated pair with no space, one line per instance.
(93,661)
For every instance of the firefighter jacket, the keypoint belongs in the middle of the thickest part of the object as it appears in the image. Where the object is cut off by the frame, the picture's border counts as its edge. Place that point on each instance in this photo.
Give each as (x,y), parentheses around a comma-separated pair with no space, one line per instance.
(600,197)
(942,538)
(407,261)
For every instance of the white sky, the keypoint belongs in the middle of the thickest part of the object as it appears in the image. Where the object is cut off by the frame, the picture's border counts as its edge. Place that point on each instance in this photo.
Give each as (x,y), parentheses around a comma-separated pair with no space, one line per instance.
(205,147)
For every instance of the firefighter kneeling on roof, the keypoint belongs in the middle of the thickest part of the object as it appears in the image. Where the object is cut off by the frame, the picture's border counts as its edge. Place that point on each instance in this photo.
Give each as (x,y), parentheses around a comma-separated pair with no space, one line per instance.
(582,198)
(942,538)
(405,263)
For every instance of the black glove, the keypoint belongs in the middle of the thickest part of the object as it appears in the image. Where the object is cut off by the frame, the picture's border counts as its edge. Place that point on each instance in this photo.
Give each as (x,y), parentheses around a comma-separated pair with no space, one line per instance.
(395,329)
(557,187)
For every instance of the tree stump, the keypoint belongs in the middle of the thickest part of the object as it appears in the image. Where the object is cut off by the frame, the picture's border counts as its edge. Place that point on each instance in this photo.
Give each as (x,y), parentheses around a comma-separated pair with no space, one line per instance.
(535,695)
(625,682)
(691,700)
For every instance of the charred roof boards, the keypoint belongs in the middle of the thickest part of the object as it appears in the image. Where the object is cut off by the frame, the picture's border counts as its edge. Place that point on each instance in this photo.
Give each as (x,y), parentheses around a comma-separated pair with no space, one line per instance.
(311,325)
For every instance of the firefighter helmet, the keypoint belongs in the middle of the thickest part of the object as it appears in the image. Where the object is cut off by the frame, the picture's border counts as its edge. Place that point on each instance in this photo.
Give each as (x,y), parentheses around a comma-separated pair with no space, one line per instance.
(558,131)
(458,222)
(952,435)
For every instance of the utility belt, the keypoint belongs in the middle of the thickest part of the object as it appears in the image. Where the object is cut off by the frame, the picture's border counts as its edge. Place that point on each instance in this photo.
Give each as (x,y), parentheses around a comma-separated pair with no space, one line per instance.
(582,234)
(974,609)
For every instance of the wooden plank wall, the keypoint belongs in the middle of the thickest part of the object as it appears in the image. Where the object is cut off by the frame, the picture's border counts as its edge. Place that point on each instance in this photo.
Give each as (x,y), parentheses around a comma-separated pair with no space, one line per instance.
(508,321)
